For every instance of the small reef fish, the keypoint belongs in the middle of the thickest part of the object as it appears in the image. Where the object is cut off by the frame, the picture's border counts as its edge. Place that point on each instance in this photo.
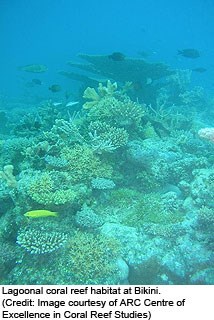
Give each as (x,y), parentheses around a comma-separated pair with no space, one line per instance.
(200,70)
(35,68)
(33,83)
(117,56)
(146,54)
(57,104)
(37,122)
(55,88)
(37,82)
(40,214)
(72,103)
(148,80)
(189,53)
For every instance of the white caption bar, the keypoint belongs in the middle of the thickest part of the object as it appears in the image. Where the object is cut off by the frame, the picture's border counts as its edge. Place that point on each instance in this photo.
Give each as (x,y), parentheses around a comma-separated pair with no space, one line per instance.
(107,302)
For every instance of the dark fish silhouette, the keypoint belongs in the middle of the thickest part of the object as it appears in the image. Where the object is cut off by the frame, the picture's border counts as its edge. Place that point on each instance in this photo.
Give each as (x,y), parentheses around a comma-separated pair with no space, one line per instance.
(200,70)
(37,81)
(117,56)
(189,53)
(55,88)
(37,122)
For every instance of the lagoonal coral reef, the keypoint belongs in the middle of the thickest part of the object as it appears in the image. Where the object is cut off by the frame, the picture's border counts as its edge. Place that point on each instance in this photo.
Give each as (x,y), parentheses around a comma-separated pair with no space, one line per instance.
(130,182)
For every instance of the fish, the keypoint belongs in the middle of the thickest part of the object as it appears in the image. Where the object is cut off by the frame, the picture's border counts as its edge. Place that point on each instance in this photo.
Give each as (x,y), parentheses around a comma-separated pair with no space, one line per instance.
(117,56)
(146,54)
(148,80)
(67,94)
(40,214)
(72,103)
(200,70)
(55,88)
(57,104)
(37,81)
(34,68)
(37,122)
(189,53)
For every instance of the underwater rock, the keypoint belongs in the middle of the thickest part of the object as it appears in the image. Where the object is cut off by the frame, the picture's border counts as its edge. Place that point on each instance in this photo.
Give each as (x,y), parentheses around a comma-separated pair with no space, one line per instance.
(147,152)
(207,133)
(205,277)
(123,271)
(202,187)
(7,175)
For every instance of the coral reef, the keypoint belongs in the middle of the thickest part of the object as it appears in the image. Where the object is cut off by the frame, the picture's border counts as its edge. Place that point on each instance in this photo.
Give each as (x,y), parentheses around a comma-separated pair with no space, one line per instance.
(102,183)
(130,69)
(114,111)
(40,242)
(43,189)
(102,91)
(104,137)
(93,258)
(87,219)
(83,164)
(127,171)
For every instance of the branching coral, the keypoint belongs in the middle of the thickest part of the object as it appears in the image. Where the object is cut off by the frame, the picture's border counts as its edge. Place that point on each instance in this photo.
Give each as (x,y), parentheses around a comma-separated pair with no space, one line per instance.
(42,189)
(122,113)
(84,165)
(155,209)
(87,219)
(55,162)
(63,129)
(40,242)
(96,96)
(105,137)
(102,183)
(93,258)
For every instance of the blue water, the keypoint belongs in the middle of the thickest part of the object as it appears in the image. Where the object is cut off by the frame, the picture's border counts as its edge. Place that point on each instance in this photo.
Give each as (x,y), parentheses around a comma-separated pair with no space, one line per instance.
(52,32)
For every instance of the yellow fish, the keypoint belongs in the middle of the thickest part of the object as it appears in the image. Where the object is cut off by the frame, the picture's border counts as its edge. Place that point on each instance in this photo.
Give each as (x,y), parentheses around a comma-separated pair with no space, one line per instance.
(40,214)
